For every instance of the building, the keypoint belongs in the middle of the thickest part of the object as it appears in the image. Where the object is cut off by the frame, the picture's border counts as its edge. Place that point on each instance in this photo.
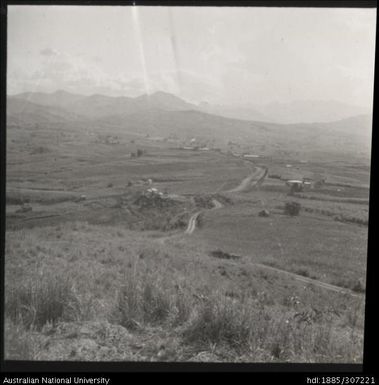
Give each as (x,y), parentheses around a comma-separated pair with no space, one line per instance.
(250,156)
(298,185)
(295,185)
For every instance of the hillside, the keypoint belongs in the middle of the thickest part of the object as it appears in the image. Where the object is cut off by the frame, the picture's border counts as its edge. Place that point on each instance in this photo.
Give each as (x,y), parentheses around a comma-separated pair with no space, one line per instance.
(162,115)
(21,111)
(307,111)
(95,106)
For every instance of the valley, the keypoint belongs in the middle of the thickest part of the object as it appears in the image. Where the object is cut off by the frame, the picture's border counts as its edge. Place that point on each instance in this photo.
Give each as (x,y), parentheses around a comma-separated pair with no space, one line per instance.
(165,234)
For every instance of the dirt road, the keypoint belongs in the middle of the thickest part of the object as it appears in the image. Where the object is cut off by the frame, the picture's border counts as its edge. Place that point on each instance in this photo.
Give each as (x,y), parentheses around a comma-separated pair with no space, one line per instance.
(256,178)
(311,281)
(192,222)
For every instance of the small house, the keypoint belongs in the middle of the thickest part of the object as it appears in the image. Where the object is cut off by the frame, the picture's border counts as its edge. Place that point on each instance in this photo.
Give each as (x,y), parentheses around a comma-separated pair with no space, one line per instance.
(295,185)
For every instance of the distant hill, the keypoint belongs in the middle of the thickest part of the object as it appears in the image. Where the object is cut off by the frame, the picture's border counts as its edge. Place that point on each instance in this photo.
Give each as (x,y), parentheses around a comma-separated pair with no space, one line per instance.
(288,113)
(60,98)
(185,124)
(310,111)
(164,115)
(283,113)
(234,112)
(23,111)
(95,106)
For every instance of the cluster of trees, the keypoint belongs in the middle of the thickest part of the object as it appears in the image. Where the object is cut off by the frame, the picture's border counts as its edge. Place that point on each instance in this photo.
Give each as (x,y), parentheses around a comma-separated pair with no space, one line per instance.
(292,208)
(137,154)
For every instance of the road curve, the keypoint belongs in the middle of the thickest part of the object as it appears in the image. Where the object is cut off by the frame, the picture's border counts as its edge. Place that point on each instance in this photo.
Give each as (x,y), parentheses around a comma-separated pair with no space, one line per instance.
(193,220)
(192,223)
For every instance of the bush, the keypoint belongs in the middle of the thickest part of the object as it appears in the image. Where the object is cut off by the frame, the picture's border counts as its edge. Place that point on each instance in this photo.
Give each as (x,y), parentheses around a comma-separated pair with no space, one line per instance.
(356,285)
(200,220)
(220,321)
(20,343)
(359,287)
(47,300)
(223,255)
(302,271)
(292,208)
(142,300)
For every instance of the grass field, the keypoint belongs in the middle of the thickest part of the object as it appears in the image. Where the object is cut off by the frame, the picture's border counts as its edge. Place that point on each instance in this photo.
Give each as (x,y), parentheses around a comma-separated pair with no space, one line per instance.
(130,298)
(98,269)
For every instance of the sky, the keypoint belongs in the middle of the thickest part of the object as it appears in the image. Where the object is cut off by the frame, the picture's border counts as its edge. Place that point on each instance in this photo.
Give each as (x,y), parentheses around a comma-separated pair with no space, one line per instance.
(219,55)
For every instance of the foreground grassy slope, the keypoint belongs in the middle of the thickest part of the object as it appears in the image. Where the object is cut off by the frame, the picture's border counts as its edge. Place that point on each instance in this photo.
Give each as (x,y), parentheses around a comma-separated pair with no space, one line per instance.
(85,292)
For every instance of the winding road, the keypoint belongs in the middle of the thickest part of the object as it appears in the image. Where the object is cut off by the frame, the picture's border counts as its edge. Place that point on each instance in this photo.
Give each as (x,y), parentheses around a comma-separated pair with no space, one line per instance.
(257,178)
(192,221)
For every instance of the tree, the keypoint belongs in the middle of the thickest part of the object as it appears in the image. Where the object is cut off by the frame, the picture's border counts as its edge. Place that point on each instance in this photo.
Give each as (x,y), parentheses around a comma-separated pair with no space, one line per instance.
(292,208)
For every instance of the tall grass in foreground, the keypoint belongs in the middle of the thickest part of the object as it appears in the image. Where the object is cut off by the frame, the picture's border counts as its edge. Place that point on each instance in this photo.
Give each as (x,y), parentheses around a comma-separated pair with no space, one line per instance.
(242,325)
(145,298)
(149,292)
(20,343)
(47,299)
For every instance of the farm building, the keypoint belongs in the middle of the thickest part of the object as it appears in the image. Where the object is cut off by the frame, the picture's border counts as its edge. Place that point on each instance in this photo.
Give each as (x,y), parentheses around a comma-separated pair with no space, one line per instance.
(297,185)
(250,156)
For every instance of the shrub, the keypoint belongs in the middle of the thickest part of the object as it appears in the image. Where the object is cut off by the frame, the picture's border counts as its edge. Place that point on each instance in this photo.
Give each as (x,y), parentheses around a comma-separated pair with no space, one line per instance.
(292,208)
(359,287)
(200,220)
(143,300)
(128,304)
(220,321)
(223,255)
(302,271)
(356,285)
(35,303)
(155,303)
(20,343)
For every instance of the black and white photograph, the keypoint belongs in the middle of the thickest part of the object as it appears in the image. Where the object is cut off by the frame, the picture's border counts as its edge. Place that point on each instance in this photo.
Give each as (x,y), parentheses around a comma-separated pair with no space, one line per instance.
(187,183)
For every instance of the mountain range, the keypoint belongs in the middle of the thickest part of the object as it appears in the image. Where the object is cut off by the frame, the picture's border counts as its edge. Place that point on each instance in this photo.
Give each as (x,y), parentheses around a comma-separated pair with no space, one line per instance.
(162,114)
(299,111)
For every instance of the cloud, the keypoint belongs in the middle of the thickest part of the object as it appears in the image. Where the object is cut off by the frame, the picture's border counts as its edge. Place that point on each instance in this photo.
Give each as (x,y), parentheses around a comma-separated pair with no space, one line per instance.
(74,73)
(48,52)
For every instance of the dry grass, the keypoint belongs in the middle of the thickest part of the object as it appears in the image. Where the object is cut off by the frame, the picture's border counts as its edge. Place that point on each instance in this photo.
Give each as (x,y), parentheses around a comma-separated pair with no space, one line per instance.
(142,300)
(326,248)
(50,298)
(159,294)
(271,333)
(20,343)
